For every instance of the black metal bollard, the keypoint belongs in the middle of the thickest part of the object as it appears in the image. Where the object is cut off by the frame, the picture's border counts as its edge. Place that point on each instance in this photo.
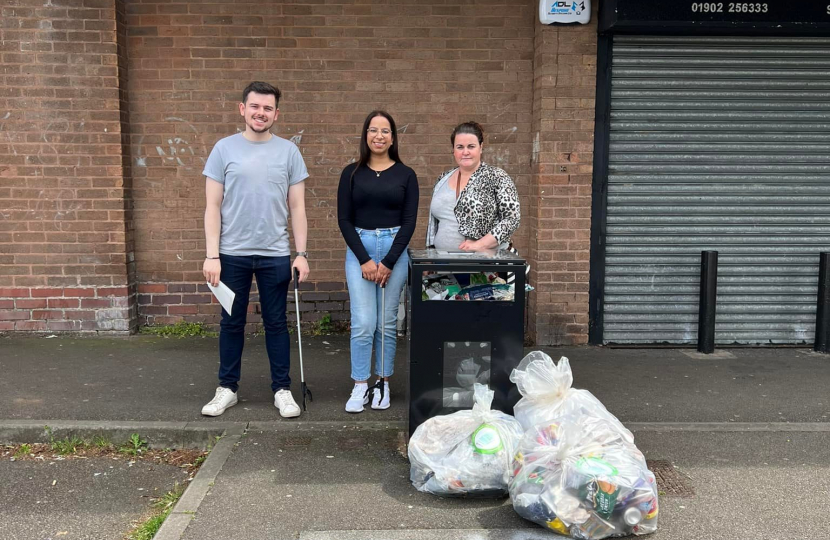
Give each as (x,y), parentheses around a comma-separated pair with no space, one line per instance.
(823,305)
(708,302)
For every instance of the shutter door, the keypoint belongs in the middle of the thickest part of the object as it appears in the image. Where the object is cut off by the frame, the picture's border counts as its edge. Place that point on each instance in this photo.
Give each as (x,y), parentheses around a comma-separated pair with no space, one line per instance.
(717,144)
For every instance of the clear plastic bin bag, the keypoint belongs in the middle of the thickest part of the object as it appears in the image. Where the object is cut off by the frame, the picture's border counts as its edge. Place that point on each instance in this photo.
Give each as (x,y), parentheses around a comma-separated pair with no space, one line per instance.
(547,393)
(467,453)
(581,478)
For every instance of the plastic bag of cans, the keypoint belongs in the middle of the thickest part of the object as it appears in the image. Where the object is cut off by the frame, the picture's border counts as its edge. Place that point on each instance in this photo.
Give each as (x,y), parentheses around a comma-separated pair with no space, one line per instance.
(466,453)
(547,395)
(581,478)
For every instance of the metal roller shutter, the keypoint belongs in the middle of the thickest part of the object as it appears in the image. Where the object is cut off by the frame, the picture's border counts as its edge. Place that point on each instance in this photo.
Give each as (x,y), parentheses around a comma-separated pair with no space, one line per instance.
(717,144)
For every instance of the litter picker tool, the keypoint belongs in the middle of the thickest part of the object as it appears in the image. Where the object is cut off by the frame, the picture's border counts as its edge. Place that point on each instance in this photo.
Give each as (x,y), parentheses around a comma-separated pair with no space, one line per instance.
(379,387)
(306,391)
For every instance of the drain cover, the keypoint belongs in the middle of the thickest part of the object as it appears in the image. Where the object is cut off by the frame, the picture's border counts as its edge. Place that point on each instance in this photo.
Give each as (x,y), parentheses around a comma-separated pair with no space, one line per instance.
(300,441)
(670,482)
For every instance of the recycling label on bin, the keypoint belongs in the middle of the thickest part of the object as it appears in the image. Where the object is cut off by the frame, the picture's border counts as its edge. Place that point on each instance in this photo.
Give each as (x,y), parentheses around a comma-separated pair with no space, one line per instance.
(486,440)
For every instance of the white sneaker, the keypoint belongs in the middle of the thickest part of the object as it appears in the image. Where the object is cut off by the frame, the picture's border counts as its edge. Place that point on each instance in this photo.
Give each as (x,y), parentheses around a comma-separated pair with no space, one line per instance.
(224,398)
(358,398)
(284,401)
(377,403)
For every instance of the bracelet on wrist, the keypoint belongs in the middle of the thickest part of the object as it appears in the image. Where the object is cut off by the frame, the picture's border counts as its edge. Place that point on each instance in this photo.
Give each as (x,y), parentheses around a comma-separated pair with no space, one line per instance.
(212,258)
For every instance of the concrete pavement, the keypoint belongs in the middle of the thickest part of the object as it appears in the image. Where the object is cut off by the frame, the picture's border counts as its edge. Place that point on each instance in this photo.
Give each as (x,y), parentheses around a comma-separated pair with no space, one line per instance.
(145,378)
(748,430)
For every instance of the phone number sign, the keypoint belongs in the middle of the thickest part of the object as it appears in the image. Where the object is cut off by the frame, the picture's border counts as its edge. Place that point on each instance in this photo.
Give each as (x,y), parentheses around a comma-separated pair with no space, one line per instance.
(674,12)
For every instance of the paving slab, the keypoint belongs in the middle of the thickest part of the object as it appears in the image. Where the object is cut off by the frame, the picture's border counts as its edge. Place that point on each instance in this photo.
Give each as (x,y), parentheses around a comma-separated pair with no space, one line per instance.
(747,485)
(146,378)
(79,499)
(278,484)
(340,485)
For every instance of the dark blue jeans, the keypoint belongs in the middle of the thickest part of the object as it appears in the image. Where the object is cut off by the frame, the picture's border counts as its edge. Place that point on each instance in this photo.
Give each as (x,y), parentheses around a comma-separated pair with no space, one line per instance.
(273,275)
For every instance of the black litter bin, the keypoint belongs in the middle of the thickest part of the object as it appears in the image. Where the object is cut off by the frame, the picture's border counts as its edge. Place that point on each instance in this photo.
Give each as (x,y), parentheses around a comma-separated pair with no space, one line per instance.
(454,343)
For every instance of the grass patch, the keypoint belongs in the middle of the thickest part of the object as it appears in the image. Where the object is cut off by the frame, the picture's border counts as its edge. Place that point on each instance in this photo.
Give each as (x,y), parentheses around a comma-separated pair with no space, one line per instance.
(180,329)
(134,446)
(162,507)
(24,450)
(67,445)
(323,326)
(99,441)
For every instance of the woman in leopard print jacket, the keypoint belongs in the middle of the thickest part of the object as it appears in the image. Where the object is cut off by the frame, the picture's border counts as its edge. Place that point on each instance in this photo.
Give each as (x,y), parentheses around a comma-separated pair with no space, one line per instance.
(475,206)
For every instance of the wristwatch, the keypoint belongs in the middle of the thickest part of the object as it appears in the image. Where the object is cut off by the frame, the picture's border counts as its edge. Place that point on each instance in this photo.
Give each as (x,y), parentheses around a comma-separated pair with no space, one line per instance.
(301,254)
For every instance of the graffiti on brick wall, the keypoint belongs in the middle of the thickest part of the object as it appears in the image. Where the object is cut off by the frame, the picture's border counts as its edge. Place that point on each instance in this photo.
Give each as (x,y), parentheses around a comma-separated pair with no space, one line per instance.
(180,150)
(8,135)
(501,155)
(536,148)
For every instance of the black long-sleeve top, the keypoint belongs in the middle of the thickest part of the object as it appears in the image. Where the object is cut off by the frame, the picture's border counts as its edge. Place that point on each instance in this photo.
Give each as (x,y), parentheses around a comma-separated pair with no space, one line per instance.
(378,202)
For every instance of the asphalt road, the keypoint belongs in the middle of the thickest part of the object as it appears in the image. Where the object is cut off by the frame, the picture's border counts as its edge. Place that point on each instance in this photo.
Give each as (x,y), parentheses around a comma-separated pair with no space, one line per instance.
(91,499)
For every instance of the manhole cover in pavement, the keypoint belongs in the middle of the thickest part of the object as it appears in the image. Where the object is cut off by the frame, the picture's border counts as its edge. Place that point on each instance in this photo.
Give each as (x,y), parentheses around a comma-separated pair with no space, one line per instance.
(670,482)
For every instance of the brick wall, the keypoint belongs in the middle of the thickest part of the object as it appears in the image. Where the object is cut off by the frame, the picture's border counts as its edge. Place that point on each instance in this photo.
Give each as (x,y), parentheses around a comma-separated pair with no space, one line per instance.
(109,108)
(63,250)
(560,206)
(431,66)
(54,309)
(168,303)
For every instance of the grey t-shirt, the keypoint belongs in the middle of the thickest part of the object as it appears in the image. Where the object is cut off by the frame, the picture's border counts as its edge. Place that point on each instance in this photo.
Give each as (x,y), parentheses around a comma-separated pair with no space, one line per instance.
(442,208)
(256,177)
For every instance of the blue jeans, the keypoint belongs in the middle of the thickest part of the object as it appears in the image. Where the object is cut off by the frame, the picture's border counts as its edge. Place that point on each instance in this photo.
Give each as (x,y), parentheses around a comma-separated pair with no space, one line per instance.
(273,274)
(365,299)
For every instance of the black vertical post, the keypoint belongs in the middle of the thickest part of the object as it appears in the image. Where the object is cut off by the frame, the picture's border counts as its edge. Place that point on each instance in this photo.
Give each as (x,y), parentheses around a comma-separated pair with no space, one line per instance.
(823,305)
(708,302)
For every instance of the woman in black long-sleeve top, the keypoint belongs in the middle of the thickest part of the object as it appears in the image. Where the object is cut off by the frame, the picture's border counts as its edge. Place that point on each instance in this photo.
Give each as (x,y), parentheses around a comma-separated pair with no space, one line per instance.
(377,206)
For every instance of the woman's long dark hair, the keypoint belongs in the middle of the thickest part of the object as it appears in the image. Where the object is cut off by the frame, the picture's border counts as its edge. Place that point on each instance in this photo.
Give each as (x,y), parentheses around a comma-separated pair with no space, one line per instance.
(363,159)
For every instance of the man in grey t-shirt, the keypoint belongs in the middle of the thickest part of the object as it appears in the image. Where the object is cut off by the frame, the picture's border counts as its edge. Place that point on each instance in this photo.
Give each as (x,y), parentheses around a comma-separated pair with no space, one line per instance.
(254,180)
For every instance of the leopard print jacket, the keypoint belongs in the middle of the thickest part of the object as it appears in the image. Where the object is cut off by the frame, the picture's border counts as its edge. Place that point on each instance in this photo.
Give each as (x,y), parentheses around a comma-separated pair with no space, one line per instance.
(489,203)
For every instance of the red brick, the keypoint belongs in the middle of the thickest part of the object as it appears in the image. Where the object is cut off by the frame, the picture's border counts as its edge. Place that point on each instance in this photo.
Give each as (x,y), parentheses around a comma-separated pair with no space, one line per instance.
(47,292)
(182,310)
(112,291)
(14,315)
(6,325)
(67,291)
(197,298)
(91,303)
(47,315)
(152,288)
(30,304)
(62,325)
(13,293)
(64,303)
(32,326)
(80,315)
(6,304)
(167,299)
(181,287)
